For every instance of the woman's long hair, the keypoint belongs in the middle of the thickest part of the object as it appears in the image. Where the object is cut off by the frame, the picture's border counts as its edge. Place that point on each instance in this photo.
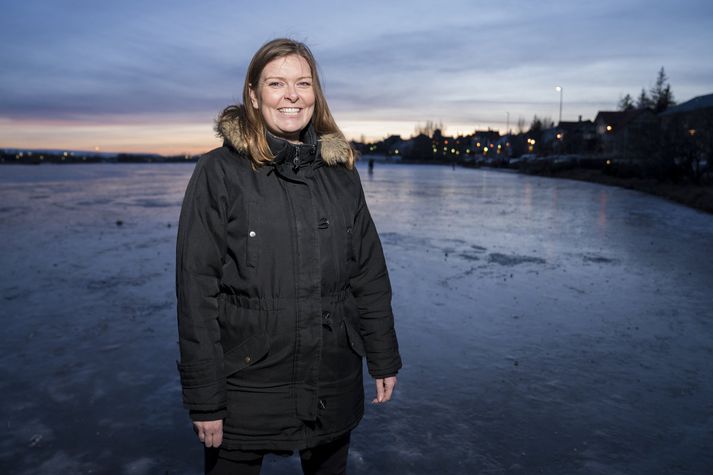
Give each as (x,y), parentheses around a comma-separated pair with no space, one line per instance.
(252,124)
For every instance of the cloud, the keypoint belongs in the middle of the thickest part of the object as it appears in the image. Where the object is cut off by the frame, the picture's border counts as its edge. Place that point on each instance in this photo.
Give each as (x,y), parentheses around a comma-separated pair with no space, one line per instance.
(380,61)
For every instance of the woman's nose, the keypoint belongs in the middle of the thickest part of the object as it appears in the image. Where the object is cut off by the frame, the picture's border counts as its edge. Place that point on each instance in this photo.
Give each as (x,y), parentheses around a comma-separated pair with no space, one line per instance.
(291,93)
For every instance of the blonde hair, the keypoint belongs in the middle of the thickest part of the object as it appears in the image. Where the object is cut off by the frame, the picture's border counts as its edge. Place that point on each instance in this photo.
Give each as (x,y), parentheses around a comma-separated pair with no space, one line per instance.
(252,123)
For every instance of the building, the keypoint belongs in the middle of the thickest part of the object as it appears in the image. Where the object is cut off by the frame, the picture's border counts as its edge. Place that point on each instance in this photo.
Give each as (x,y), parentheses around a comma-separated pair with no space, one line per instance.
(614,129)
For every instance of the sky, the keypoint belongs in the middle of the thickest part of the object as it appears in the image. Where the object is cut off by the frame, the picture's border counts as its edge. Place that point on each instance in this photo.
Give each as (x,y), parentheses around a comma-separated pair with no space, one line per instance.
(150,76)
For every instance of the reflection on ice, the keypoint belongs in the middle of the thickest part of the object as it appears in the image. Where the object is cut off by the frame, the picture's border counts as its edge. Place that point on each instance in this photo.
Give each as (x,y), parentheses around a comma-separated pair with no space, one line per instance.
(546,326)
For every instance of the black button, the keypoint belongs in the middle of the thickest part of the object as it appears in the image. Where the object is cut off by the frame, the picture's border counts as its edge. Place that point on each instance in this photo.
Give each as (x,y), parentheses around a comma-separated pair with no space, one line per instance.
(326,315)
(322,404)
(323,223)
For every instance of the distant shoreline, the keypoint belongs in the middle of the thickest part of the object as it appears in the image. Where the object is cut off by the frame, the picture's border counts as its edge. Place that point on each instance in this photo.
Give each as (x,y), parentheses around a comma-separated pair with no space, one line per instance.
(699,197)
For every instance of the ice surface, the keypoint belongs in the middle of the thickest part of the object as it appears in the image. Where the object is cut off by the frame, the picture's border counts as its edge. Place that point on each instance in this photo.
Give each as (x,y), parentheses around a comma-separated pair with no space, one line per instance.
(546,326)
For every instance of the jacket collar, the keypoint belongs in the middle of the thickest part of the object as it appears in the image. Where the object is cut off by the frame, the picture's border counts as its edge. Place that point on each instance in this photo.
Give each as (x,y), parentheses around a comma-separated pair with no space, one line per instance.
(297,154)
(332,148)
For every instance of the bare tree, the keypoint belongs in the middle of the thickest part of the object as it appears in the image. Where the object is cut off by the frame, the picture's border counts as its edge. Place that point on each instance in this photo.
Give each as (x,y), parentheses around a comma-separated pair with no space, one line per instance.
(429,128)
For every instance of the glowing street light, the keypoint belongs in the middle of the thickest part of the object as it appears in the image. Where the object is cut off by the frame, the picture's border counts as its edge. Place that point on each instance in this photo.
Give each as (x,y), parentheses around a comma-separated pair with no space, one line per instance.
(559,89)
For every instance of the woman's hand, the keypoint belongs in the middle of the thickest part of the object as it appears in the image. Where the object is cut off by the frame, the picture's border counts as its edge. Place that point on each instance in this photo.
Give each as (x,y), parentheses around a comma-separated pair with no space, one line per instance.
(384,389)
(209,432)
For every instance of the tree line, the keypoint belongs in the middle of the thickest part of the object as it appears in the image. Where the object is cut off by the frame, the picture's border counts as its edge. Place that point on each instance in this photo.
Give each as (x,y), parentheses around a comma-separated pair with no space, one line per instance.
(659,98)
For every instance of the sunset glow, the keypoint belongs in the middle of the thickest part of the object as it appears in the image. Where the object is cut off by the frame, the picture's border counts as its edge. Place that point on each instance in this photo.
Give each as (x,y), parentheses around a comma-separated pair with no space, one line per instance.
(130,77)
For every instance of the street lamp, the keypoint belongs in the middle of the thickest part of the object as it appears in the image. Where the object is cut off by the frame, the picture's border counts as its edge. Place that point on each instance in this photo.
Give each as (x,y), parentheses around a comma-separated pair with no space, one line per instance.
(559,89)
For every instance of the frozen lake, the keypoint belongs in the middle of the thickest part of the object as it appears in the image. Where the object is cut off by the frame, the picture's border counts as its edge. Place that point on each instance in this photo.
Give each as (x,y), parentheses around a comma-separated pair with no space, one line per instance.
(546,326)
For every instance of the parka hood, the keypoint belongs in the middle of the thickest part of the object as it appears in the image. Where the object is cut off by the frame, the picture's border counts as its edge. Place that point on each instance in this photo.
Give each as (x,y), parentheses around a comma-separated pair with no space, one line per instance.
(334,149)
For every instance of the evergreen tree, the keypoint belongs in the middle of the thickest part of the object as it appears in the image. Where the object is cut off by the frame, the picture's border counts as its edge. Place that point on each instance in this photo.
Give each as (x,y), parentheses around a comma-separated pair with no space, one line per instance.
(540,123)
(626,103)
(535,125)
(661,94)
(643,102)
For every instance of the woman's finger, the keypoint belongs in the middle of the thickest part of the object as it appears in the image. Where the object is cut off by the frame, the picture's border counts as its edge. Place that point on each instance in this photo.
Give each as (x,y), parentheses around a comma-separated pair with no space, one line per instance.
(379,391)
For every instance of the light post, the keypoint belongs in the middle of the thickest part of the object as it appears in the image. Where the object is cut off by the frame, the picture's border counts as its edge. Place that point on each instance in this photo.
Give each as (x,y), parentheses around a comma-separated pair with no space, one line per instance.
(559,89)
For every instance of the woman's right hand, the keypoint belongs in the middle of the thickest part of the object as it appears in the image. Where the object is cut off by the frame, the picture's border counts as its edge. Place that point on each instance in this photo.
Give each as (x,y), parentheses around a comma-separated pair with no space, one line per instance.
(209,432)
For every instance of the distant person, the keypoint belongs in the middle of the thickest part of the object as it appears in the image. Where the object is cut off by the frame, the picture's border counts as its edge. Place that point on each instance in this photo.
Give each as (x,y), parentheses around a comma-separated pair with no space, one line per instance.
(281,281)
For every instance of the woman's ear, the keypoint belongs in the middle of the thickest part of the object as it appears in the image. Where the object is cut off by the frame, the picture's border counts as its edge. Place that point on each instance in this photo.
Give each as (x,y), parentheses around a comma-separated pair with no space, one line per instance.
(253,97)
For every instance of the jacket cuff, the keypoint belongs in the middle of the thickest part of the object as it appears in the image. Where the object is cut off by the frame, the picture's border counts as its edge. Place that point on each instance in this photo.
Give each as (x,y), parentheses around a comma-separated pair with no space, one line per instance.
(385,372)
(208,415)
(384,367)
(385,375)
(203,386)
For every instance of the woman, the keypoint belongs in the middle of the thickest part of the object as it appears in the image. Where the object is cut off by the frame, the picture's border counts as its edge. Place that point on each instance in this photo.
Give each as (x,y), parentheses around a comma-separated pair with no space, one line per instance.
(280,277)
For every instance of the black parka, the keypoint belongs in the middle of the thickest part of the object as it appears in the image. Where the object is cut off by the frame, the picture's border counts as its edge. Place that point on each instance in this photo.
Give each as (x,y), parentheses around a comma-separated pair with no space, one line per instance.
(282,289)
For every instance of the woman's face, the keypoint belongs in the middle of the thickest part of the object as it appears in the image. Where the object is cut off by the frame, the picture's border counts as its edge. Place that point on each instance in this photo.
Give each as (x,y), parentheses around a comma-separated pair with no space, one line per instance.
(284,96)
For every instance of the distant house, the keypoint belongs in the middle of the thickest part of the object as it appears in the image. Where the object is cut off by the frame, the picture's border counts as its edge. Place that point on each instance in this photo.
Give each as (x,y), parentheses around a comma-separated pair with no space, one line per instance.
(547,140)
(687,130)
(483,141)
(610,123)
(613,128)
(422,148)
(489,136)
(575,137)
(503,146)
(694,116)
(697,104)
(398,147)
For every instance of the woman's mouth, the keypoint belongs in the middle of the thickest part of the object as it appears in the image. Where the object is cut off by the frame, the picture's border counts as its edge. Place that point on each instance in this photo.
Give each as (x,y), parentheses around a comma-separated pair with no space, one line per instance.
(289,110)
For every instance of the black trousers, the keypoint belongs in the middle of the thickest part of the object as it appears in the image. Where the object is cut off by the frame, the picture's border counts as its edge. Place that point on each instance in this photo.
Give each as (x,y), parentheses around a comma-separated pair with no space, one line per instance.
(325,459)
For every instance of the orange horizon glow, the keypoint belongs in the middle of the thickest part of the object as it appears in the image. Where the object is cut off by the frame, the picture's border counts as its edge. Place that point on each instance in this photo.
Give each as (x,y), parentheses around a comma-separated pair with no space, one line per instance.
(166,137)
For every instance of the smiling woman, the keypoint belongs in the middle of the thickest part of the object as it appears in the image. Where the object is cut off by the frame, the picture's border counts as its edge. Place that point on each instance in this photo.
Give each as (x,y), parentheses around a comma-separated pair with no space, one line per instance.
(281,281)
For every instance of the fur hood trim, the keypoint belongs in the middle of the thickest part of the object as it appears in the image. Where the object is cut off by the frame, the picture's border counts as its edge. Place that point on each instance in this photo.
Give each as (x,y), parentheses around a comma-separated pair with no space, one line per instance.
(334,149)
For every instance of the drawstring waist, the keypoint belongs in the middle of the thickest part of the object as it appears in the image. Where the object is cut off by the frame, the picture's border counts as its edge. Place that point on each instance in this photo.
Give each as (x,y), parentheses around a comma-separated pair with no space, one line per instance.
(280,303)
(278,315)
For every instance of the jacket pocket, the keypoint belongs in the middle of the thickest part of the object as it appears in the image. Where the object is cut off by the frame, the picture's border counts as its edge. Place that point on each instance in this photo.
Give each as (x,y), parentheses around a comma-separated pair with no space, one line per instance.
(246,353)
(354,338)
(252,250)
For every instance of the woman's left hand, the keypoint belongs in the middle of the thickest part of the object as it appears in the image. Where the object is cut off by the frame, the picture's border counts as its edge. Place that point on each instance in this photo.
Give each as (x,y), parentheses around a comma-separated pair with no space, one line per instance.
(384,389)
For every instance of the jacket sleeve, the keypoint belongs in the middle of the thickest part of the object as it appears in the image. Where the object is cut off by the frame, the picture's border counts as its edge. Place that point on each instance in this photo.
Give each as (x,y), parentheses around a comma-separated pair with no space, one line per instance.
(372,290)
(200,250)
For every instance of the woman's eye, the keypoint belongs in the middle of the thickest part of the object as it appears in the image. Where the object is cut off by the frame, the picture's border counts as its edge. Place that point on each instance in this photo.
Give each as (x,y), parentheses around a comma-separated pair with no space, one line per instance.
(274,84)
(304,84)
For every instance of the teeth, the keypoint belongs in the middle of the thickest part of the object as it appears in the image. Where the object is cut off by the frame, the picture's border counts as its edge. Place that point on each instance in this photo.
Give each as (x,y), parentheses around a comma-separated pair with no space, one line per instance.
(290,110)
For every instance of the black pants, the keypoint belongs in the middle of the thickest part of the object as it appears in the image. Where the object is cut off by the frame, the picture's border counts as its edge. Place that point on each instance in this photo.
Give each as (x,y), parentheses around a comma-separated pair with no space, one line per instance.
(325,459)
